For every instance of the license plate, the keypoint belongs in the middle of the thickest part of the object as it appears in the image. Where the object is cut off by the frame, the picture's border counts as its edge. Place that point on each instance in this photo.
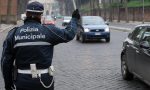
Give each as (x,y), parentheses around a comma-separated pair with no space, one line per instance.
(97,33)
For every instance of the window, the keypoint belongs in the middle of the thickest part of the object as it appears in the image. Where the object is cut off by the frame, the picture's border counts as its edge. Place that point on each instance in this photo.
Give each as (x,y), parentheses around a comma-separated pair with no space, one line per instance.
(146,35)
(137,33)
(92,20)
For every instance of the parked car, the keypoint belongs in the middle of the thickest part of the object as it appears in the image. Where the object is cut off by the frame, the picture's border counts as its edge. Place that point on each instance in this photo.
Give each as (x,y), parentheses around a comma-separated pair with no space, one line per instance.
(135,56)
(23,17)
(66,20)
(93,27)
(48,20)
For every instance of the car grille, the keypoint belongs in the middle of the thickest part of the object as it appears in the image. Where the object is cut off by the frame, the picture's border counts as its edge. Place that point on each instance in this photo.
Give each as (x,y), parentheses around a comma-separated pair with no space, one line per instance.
(97,30)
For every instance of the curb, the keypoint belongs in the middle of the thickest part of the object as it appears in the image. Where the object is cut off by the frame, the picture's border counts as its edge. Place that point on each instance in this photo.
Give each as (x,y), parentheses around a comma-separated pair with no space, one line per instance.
(20,22)
(10,27)
(121,29)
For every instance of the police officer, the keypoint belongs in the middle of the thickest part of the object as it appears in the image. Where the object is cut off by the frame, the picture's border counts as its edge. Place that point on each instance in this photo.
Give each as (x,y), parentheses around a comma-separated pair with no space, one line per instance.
(30,48)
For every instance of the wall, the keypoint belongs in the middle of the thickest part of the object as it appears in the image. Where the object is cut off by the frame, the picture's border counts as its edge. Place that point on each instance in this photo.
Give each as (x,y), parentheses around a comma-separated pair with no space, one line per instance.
(134,14)
(8,15)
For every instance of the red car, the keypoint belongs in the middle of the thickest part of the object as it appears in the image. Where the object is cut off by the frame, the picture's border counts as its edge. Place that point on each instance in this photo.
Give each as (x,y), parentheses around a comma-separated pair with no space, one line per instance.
(48,20)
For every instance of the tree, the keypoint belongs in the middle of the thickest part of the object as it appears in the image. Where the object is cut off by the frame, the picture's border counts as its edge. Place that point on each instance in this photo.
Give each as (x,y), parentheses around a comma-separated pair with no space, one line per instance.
(9,2)
(91,7)
(126,11)
(99,10)
(110,10)
(104,9)
(118,7)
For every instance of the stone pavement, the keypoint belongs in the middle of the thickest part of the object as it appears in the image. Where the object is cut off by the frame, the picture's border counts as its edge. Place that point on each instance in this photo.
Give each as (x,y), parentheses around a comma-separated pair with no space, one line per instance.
(92,66)
(89,66)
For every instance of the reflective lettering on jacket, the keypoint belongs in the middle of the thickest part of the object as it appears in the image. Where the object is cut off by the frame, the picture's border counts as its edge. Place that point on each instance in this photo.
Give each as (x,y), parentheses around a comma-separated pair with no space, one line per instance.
(30,36)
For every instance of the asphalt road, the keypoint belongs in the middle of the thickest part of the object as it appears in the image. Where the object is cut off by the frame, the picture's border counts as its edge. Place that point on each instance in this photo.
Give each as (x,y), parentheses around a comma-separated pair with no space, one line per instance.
(89,66)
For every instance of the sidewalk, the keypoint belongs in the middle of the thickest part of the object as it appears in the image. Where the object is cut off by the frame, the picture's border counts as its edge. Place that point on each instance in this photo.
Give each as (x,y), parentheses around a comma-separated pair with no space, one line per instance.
(123,26)
(5,27)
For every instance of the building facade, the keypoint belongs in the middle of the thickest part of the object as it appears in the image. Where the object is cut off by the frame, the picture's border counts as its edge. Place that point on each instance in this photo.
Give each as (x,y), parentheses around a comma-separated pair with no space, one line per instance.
(11,10)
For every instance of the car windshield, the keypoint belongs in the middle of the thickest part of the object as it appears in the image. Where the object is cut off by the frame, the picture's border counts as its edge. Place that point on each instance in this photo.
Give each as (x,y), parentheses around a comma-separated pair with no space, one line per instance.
(67,18)
(92,21)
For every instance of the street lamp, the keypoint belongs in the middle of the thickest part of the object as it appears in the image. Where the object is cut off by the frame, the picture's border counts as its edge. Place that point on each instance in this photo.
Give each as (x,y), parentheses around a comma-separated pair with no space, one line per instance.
(143,20)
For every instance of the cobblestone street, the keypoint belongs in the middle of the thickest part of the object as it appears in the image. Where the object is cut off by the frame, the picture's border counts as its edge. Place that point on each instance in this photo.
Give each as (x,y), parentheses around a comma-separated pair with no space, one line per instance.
(92,66)
(110,50)
(89,66)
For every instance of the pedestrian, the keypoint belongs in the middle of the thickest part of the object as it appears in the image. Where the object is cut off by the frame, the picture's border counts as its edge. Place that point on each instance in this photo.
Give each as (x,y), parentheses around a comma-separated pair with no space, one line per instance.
(30,49)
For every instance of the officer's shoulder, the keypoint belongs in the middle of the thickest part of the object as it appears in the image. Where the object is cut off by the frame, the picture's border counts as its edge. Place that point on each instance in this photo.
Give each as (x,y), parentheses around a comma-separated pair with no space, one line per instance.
(12,31)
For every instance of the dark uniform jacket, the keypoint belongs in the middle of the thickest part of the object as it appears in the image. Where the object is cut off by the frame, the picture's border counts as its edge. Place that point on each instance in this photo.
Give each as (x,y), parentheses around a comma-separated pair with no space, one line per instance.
(33,43)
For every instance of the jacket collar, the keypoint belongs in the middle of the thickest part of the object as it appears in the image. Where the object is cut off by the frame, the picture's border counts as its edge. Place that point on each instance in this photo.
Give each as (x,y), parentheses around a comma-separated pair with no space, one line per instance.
(31,20)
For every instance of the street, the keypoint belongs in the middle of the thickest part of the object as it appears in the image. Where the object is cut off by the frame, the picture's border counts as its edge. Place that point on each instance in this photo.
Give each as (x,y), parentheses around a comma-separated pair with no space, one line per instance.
(89,66)
(92,66)
(113,63)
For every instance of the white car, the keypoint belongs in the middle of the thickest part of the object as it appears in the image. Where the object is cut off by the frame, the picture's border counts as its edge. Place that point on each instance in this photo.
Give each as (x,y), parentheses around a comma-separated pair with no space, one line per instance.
(66,20)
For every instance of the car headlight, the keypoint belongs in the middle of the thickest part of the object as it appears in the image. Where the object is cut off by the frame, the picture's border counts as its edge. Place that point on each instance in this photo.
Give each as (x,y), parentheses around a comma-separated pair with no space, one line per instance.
(86,30)
(107,29)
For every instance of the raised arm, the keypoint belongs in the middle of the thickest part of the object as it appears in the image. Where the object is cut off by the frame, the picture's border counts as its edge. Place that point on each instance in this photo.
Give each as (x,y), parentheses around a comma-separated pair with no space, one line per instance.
(67,34)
